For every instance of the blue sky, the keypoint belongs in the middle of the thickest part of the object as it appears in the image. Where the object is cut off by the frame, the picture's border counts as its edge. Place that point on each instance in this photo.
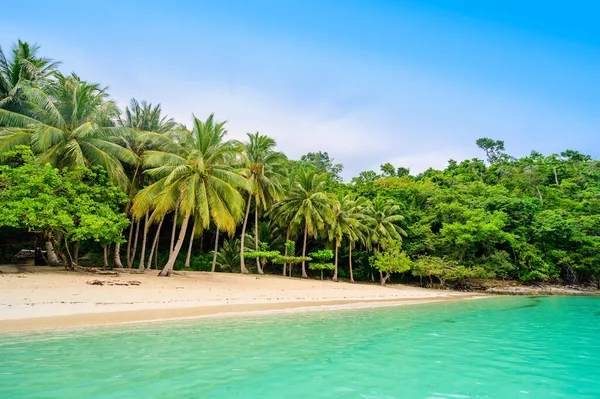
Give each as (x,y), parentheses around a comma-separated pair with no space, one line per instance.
(414,83)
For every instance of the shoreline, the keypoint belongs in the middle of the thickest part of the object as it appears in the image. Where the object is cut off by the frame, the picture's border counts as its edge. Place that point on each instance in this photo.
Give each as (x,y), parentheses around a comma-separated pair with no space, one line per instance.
(86,320)
(37,298)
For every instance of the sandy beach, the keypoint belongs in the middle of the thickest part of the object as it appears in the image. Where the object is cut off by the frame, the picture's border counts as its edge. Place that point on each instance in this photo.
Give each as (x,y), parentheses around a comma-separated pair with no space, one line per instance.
(39,298)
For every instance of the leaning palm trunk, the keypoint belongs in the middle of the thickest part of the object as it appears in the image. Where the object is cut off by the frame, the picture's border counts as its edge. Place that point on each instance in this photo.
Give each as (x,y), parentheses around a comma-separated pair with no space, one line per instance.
(172,247)
(117,257)
(260,271)
(51,255)
(189,253)
(117,253)
(155,259)
(350,263)
(335,266)
(143,256)
(243,269)
(214,262)
(129,241)
(287,238)
(304,275)
(166,271)
(154,243)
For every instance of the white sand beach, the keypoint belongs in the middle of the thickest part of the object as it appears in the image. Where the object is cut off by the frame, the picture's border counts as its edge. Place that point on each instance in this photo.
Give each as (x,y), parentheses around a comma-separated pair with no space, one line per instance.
(40,297)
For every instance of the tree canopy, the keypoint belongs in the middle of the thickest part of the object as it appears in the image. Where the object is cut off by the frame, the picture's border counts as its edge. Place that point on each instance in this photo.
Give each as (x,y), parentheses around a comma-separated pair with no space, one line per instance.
(77,169)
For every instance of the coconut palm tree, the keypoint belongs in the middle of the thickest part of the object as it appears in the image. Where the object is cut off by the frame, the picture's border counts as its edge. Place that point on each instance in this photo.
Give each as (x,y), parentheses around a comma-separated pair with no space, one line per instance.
(308,206)
(145,124)
(68,123)
(228,256)
(281,216)
(363,234)
(385,216)
(348,216)
(72,125)
(197,173)
(262,170)
(143,117)
(22,69)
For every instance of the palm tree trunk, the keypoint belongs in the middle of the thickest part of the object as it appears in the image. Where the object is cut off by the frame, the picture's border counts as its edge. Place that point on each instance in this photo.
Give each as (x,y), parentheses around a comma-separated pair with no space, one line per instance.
(260,271)
(156,258)
(128,257)
(287,238)
(243,269)
(51,256)
(166,271)
(143,256)
(214,262)
(135,242)
(117,256)
(189,253)
(304,275)
(350,263)
(172,247)
(335,269)
(155,243)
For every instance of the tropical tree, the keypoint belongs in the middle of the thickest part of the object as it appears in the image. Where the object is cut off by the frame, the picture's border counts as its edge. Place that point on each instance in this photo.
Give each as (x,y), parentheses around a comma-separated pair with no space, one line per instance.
(308,206)
(228,256)
(349,221)
(391,260)
(197,172)
(146,125)
(384,217)
(262,170)
(72,125)
(22,69)
(144,117)
(345,223)
(64,207)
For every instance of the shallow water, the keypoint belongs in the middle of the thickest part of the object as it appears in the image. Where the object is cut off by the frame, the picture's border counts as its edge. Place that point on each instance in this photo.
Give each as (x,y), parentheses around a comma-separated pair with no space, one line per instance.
(509,347)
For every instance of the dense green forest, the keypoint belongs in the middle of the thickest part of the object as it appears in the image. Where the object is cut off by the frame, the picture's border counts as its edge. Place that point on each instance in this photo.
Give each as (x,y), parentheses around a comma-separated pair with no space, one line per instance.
(96,184)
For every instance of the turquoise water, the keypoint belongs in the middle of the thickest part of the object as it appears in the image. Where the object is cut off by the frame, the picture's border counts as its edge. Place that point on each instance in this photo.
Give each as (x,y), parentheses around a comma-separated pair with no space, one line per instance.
(510,347)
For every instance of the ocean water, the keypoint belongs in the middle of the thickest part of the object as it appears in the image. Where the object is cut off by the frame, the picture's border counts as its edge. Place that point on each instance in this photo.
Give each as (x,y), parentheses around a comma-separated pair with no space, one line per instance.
(508,347)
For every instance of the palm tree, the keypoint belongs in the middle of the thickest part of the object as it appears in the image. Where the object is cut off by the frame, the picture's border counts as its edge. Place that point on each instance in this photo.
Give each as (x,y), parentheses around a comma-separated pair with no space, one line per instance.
(385,215)
(143,117)
(24,68)
(195,172)
(72,125)
(228,256)
(346,222)
(262,164)
(308,206)
(145,125)
(282,216)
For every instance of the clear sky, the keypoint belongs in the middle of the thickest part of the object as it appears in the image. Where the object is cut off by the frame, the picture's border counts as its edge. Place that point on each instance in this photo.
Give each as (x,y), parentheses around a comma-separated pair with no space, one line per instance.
(414,83)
